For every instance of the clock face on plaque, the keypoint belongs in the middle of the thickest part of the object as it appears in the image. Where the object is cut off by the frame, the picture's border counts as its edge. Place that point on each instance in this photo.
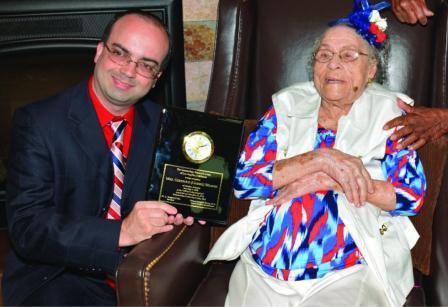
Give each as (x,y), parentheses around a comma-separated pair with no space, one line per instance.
(198,147)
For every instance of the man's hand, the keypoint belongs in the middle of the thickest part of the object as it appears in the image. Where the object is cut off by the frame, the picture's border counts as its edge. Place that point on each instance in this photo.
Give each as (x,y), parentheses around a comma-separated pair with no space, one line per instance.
(419,126)
(411,11)
(148,218)
(349,172)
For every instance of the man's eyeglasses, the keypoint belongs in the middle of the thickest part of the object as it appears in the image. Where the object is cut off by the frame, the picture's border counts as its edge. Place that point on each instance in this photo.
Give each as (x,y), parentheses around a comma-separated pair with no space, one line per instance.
(346,55)
(142,67)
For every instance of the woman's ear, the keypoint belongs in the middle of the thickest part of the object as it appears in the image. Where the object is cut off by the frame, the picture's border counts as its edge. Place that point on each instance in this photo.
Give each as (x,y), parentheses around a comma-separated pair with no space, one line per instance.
(373,67)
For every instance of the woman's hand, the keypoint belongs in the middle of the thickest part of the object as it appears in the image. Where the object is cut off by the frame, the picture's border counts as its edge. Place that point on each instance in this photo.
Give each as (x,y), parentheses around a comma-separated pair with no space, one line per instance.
(347,171)
(312,183)
(383,197)
(340,172)
(305,185)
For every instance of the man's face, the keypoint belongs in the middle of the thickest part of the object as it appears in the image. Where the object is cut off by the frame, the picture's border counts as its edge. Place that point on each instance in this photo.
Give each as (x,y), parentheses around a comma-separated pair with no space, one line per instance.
(120,86)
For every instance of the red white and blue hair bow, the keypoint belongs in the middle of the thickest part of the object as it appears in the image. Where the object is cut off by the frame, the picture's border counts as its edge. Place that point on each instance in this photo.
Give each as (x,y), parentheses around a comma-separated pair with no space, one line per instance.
(366,20)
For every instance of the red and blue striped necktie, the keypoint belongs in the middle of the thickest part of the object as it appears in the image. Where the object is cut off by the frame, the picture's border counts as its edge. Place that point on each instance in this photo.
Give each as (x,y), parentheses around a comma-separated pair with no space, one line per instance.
(119,164)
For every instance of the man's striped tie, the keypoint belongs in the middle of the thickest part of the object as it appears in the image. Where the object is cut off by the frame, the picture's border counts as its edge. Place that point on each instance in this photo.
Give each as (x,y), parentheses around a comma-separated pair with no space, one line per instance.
(119,163)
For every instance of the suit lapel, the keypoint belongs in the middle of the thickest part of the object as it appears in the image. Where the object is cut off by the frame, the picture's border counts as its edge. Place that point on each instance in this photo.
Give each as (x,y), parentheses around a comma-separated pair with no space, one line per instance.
(89,135)
(140,155)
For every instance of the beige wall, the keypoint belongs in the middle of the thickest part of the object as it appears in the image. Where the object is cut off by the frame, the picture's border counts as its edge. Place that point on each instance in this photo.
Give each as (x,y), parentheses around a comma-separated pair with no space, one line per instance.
(199,35)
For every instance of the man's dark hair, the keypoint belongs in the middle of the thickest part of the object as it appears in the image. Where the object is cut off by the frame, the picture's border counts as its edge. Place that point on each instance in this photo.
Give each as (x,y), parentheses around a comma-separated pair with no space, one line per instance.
(146,15)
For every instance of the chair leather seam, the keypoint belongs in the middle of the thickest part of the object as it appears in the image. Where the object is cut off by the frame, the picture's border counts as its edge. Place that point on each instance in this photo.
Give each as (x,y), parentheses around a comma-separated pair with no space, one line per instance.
(444,66)
(152,263)
(235,68)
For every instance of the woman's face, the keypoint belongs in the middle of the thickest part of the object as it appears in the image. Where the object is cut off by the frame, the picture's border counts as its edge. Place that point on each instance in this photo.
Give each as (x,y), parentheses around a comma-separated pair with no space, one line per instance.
(337,81)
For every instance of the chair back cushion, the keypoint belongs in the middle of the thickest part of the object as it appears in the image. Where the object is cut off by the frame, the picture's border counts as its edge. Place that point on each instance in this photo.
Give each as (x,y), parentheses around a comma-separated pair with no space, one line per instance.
(264,46)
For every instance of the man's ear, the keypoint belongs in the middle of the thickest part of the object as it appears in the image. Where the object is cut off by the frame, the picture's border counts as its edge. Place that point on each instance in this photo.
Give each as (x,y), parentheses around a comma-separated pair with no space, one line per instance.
(159,74)
(99,51)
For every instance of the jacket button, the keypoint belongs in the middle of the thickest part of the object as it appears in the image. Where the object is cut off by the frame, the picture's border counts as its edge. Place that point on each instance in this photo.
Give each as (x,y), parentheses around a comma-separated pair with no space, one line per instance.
(383,229)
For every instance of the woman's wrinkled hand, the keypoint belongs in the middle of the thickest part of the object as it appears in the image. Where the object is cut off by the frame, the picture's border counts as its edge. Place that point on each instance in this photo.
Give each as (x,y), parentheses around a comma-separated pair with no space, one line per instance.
(308,184)
(349,172)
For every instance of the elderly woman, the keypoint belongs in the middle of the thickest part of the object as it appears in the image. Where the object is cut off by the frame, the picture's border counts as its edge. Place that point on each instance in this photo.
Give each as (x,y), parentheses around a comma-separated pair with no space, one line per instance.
(331,193)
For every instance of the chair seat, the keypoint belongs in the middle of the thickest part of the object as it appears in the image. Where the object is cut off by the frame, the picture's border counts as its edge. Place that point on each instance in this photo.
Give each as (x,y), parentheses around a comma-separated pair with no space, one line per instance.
(213,289)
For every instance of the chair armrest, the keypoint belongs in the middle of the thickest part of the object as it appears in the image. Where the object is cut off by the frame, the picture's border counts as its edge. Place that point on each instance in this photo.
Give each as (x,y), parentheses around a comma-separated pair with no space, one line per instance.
(434,158)
(153,268)
(435,284)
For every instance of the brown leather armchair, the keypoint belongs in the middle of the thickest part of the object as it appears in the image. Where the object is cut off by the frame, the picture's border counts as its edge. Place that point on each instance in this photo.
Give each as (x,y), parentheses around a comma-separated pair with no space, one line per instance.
(155,267)
(263,46)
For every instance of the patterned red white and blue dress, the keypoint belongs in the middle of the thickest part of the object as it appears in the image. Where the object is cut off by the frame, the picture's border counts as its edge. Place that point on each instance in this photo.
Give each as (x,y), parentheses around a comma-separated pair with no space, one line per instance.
(306,238)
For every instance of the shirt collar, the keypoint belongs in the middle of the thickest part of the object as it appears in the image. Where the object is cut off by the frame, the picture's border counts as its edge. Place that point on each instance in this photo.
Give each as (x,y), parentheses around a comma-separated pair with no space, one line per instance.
(103,114)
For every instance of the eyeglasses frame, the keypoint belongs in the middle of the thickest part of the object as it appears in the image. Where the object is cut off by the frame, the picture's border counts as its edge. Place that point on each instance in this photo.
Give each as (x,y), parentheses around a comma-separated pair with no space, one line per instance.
(155,75)
(339,55)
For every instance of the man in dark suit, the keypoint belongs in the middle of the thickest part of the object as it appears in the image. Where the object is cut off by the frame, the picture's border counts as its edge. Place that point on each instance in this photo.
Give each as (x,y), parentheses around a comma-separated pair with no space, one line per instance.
(79,166)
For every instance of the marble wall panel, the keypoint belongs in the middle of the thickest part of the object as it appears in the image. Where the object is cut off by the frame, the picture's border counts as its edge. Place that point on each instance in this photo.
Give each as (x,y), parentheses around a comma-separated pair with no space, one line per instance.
(199,36)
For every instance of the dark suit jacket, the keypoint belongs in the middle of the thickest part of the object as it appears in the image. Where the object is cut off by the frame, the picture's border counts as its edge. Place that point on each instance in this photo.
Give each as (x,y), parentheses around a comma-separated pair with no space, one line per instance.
(60,186)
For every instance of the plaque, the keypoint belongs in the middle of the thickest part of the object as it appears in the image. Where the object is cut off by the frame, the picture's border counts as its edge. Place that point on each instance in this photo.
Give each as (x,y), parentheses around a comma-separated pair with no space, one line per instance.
(194,163)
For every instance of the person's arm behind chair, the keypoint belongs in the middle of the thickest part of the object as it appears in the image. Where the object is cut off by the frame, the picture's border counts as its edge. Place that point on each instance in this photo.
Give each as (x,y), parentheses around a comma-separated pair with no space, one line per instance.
(411,11)
(418,126)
